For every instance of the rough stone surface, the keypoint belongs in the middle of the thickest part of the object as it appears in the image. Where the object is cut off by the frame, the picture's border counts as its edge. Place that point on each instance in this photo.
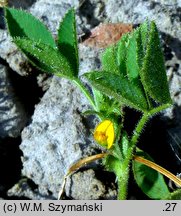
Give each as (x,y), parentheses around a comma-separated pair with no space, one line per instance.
(25,4)
(85,185)
(137,11)
(89,59)
(13,117)
(50,14)
(8,50)
(59,134)
(12,55)
(25,189)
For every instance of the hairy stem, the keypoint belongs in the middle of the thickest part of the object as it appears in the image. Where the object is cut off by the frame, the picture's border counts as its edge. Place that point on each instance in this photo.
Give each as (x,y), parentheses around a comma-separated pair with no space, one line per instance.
(123,181)
(140,126)
(123,185)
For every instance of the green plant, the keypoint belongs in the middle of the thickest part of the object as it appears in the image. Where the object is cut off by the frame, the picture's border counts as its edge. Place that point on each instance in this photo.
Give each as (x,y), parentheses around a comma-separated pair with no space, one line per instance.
(133,74)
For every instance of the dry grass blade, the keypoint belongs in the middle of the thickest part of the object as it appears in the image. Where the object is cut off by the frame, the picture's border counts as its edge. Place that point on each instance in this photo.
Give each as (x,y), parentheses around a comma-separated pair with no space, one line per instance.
(77,166)
(159,169)
(142,160)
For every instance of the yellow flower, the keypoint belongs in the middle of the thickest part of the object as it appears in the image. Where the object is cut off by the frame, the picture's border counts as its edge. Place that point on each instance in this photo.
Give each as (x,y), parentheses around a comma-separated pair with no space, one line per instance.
(104,133)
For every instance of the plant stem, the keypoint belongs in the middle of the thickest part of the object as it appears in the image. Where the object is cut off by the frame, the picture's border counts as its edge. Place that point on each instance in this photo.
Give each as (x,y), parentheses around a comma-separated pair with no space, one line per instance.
(86,92)
(122,186)
(123,180)
(141,124)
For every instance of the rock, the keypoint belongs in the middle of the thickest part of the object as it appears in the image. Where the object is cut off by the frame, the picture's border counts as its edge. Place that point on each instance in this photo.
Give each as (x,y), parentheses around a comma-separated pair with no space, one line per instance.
(25,188)
(25,4)
(176,3)
(89,59)
(13,117)
(51,14)
(57,136)
(9,52)
(89,13)
(137,11)
(85,185)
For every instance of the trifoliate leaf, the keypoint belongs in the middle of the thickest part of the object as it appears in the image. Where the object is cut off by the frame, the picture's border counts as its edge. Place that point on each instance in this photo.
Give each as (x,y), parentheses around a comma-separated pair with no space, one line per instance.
(138,58)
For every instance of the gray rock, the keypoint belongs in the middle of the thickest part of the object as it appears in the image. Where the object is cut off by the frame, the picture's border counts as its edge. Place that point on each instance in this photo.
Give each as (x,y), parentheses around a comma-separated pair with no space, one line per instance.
(25,4)
(89,59)
(137,11)
(9,52)
(51,14)
(176,3)
(57,136)
(85,185)
(24,189)
(13,117)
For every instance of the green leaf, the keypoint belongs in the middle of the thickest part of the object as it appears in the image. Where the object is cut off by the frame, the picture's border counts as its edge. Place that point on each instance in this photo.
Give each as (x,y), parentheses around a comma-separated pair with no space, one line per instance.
(153,74)
(24,25)
(150,181)
(142,34)
(121,54)
(109,60)
(113,164)
(124,144)
(67,40)
(103,102)
(139,59)
(122,58)
(117,86)
(45,57)
(131,58)
(141,48)
(176,195)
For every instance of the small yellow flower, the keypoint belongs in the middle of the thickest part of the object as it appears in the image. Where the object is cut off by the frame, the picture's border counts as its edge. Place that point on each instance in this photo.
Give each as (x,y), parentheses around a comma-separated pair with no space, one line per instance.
(104,133)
